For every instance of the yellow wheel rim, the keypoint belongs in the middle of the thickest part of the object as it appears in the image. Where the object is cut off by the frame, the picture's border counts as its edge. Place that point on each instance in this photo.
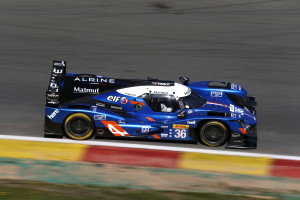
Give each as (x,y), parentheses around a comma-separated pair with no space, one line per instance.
(87,135)
(211,123)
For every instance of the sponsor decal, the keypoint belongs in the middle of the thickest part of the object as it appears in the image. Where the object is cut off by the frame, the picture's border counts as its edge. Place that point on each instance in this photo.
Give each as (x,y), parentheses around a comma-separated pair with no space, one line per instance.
(121,122)
(234,115)
(52,102)
(158,92)
(235,87)
(55,112)
(94,80)
(59,64)
(235,135)
(94,108)
(54,83)
(99,117)
(123,100)
(58,71)
(236,109)
(140,100)
(161,84)
(113,98)
(216,94)
(180,126)
(116,107)
(191,122)
(164,127)
(54,86)
(164,135)
(85,90)
(190,111)
(145,129)
(133,95)
(53,95)
(101,105)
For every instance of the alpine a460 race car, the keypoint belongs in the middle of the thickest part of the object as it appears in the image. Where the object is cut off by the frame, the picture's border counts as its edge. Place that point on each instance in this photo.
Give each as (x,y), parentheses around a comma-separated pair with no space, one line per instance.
(83,106)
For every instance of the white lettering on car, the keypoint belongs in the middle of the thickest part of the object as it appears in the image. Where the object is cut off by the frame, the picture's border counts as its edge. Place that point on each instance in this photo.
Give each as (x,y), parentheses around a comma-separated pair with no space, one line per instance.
(55,112)
(113,98)
(235,109)
(86,90)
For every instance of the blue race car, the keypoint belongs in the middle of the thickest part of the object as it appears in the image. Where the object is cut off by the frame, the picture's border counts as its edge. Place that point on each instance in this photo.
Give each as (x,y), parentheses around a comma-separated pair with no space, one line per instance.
(83,106)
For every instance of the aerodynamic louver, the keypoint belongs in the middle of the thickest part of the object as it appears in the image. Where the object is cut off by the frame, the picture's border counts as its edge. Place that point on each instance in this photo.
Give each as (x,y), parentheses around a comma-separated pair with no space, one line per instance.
(237,100)
(218,84)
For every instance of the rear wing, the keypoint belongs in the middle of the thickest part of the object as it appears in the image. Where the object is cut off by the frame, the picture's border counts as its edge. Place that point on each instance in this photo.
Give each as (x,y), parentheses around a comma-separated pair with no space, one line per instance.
(53,94)
(65,88)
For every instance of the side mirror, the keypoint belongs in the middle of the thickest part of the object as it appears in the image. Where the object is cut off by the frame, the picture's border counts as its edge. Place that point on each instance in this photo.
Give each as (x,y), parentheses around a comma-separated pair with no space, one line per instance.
(251,101)
(184,80)
(181,114)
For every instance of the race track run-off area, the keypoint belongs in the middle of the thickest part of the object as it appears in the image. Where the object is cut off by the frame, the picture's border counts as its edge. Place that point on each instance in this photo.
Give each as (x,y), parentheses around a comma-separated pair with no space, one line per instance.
(151,156)
(120,165)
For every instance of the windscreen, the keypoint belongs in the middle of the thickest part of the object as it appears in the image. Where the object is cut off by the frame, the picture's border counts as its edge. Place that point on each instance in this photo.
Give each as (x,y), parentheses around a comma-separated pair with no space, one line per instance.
(192,101)
(162,103)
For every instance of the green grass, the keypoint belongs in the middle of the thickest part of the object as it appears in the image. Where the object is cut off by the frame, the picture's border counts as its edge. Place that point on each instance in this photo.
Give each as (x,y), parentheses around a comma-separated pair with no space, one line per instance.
(23,190)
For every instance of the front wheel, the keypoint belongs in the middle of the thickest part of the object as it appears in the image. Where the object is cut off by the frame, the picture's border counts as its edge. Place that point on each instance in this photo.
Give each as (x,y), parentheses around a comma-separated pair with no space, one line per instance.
(213,133)
(79,126)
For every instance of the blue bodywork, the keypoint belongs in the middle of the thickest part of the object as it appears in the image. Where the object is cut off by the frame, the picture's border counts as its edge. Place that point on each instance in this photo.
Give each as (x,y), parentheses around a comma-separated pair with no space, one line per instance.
(116,115)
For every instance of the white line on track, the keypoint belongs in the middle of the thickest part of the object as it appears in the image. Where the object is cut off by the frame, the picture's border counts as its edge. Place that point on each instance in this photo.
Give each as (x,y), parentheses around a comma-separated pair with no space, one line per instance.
(153,147)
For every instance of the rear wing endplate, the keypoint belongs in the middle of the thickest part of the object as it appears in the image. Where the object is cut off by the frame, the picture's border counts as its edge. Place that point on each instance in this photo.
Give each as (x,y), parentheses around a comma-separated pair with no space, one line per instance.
(53,94)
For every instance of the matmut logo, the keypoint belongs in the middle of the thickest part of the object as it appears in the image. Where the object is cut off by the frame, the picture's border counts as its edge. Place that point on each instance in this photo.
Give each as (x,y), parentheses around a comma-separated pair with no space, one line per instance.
(86,90)
(115,128)
(180,126)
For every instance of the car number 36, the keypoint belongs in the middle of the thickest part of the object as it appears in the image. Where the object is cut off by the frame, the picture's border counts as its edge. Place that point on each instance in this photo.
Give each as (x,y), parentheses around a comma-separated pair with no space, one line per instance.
(180,133)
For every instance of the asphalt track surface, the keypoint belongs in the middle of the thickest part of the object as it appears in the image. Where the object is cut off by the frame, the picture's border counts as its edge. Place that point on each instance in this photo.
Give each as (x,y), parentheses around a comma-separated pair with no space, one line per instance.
(254,43)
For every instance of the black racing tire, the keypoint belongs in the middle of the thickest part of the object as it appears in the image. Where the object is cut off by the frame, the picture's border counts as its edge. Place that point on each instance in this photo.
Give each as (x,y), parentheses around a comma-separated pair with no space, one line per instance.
(213,133)
(79,126)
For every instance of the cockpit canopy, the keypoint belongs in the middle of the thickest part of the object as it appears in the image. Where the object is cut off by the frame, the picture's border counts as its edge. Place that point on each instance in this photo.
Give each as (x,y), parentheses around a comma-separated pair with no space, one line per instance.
(168,103)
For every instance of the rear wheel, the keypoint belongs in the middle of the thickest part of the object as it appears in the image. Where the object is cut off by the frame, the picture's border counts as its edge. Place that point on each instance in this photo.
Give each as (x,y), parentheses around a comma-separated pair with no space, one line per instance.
(79,126)
(213,133)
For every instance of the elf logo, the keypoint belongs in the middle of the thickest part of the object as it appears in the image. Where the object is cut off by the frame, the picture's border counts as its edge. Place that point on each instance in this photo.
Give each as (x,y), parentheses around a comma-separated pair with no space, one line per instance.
(113,98)
(123,100)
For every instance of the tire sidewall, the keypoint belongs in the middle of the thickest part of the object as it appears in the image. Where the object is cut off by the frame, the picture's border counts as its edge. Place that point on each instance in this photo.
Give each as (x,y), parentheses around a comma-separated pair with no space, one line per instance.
(85,117)
(209,124)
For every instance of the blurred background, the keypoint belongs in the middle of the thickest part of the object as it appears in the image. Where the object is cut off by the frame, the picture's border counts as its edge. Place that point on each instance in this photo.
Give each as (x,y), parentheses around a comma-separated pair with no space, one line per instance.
(254,43)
